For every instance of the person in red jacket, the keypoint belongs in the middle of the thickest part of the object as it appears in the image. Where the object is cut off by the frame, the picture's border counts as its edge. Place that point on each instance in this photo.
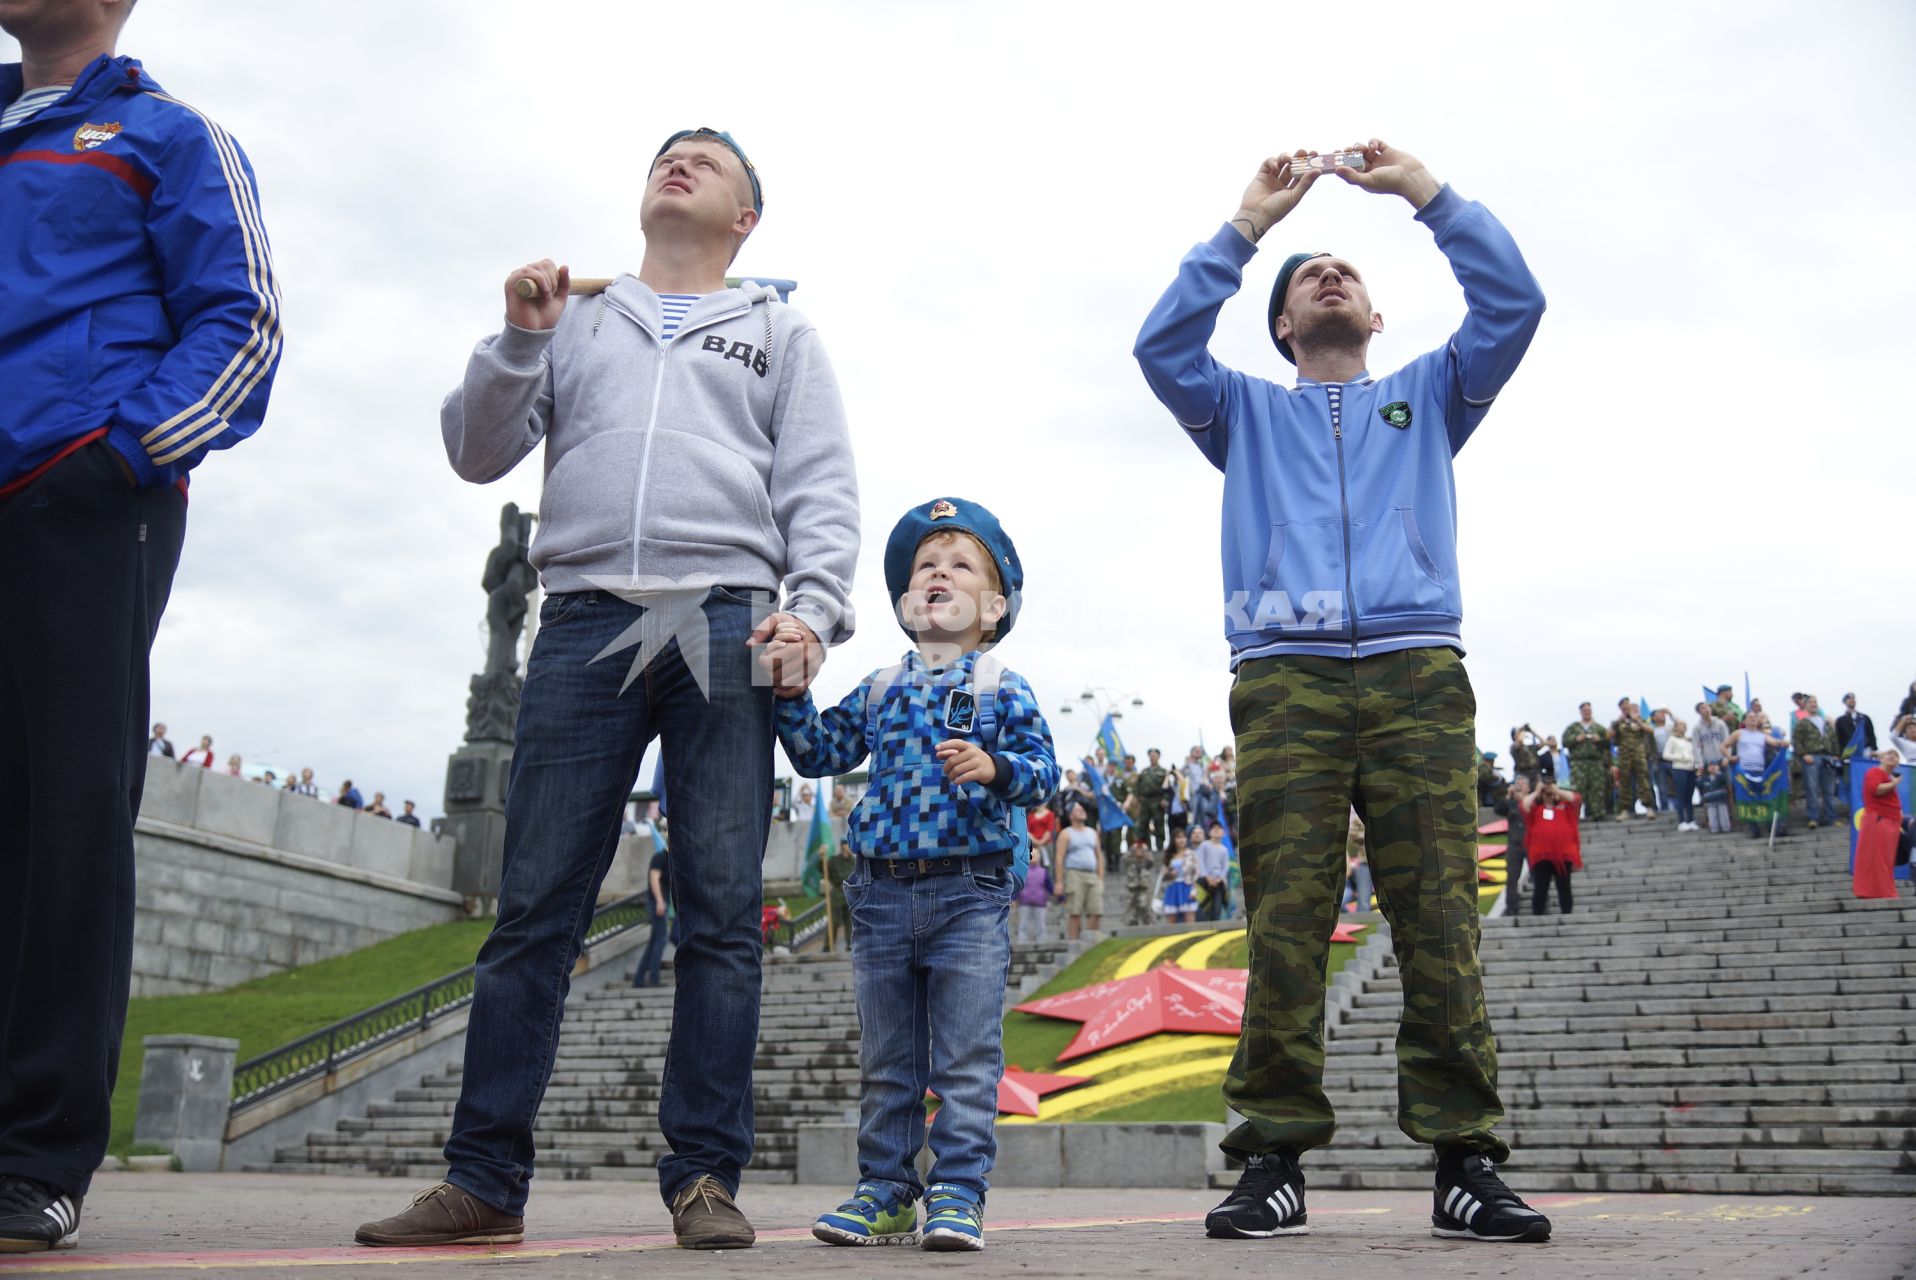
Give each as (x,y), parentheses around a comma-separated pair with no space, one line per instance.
(1874,875)
(1555,845)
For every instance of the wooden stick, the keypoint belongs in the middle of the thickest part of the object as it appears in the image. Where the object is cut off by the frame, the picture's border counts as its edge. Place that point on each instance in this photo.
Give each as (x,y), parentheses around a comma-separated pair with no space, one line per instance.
(581,287)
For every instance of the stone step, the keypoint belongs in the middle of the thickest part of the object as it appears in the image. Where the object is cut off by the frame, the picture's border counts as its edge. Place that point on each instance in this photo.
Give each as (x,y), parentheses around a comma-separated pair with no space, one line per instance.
(1663,1068)
(1897,1114)
(1516,1038)
(1642,1160)
(1533,1182)
(1551,984)
(1662,1000)
(1379,1093)
(773,1151)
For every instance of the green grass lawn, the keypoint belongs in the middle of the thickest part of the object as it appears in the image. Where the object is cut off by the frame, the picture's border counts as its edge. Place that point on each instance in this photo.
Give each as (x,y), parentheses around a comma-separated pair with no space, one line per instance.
(268,1012)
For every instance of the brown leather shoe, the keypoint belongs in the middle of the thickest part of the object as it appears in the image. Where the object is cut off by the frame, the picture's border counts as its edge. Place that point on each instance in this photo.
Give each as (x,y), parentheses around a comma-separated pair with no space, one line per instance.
(444,1214)
(705,1217)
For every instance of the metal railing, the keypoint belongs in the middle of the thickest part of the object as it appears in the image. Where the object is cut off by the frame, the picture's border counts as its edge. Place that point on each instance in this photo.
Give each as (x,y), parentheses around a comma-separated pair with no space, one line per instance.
(802,929)
(322,1052)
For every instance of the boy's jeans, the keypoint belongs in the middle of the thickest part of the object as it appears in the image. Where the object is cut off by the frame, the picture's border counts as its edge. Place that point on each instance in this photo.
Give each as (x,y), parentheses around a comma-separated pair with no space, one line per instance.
(929,958)
(579,745)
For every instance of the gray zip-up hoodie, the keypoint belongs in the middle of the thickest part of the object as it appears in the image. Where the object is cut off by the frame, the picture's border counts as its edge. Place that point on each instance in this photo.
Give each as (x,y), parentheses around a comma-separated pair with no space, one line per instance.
(720,458)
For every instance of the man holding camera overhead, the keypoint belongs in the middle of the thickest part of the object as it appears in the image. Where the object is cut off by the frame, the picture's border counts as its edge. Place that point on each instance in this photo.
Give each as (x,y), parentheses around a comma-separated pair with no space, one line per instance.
(1344,614)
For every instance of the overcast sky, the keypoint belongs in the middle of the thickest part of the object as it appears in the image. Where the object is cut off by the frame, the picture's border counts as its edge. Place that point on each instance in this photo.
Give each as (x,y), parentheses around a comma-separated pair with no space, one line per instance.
(1705,464)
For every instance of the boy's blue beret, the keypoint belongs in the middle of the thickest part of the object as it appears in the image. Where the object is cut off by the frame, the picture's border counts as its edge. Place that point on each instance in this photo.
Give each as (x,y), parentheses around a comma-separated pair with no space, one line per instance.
(954,514)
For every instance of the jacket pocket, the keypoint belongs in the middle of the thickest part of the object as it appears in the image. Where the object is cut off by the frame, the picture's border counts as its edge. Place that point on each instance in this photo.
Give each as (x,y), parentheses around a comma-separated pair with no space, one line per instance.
(1302,586)
(589,495)
(1396,574)
(702,493)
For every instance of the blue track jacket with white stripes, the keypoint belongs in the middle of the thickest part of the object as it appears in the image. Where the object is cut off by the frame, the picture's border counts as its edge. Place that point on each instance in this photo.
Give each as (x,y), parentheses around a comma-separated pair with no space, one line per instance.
(1340,524)
(137,295)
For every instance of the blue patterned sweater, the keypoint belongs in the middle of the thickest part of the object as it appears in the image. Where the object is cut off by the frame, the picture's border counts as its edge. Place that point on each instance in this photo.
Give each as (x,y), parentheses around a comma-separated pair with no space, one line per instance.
(911,809)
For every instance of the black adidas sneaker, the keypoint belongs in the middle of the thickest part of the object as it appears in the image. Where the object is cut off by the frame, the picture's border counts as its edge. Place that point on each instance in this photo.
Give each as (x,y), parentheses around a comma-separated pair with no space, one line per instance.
(34,1216)
(1472,1203)
(1269,1201)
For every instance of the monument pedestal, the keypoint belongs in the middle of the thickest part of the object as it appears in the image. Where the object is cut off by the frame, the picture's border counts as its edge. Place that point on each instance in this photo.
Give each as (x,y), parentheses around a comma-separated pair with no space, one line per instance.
(476,777)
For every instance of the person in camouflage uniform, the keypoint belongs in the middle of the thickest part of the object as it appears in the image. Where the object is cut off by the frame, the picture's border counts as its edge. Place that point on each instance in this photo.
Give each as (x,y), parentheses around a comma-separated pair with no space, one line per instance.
(1636,744)
(1725,709)
(839,867)
(1523,753)
(1150,793)
(1490,783)
(1140,882)
(1339,706)
(1589,746)
(1415,769)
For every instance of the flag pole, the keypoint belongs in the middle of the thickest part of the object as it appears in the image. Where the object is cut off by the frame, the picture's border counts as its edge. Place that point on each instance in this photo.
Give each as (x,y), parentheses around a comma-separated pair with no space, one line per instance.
(825,884)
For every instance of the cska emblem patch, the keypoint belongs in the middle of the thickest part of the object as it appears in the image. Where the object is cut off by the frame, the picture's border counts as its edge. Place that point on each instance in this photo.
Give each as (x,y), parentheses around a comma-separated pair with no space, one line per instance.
(943,510)
(89,136)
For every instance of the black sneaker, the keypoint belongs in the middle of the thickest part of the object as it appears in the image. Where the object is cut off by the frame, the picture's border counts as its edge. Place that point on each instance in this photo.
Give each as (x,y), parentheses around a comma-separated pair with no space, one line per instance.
(35,1217)
(1269,1201)
(1472,1203)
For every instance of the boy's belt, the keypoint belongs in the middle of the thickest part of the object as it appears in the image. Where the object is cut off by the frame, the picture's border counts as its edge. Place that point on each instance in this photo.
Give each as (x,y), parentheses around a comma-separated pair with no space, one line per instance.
(912,868)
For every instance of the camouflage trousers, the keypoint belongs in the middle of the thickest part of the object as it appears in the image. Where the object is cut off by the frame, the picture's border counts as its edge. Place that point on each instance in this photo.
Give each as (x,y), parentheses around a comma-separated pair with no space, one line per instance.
(1591,780)
(1137,907)
(1633,783)
(1394,735)
(1151,823)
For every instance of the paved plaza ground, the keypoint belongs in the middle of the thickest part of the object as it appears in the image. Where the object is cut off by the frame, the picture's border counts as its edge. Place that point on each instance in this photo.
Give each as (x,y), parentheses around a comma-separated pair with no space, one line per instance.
(249,1225)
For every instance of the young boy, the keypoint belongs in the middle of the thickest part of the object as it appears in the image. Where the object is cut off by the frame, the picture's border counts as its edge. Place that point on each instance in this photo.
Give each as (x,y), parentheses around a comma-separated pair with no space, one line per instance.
(1716,798)
(958,747)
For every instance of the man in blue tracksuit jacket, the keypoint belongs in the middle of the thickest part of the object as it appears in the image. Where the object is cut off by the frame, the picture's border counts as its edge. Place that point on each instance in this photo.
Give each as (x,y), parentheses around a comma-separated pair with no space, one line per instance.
(139,329)
(1343,613)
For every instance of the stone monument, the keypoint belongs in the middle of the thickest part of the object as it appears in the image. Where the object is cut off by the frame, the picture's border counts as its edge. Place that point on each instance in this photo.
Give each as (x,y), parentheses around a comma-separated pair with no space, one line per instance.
(476,774)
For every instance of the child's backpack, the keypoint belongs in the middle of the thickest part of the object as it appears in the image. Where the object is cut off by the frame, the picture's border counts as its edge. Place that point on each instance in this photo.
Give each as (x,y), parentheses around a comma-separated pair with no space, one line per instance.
(985,674)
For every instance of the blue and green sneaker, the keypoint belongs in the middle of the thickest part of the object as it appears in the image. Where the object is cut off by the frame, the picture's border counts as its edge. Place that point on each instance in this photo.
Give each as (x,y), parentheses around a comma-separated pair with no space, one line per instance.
(953,1220)
(872,1216)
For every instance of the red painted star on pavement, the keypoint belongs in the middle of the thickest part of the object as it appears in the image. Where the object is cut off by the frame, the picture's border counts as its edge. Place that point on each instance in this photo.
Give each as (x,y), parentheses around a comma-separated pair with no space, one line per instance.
(1019,1091)
(1496,828)
(1347,932)
(1126,1009)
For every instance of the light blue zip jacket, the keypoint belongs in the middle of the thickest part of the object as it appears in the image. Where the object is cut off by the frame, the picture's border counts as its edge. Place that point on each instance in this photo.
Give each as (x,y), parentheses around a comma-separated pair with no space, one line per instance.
(1340,539)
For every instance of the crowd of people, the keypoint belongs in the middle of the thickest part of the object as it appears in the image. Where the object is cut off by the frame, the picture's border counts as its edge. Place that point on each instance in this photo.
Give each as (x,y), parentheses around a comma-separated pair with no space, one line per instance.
(1646,763)
(1168,830)
(1665,764)
(300,784)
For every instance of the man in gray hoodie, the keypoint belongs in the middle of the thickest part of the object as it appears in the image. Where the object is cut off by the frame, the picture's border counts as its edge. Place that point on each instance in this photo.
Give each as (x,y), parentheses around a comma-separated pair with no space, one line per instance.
(696,463)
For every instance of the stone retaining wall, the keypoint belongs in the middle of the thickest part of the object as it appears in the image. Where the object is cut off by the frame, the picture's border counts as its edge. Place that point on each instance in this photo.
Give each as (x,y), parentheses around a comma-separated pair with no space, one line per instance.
(235,880)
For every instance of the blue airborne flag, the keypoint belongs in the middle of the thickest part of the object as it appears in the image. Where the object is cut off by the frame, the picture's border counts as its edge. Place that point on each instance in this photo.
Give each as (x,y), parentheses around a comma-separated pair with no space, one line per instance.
(820,844)
(1108,739)
(1757,798)
(1111,816)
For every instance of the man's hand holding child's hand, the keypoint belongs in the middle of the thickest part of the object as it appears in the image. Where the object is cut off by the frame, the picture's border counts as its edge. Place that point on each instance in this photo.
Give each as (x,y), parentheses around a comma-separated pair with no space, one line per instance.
(966,761)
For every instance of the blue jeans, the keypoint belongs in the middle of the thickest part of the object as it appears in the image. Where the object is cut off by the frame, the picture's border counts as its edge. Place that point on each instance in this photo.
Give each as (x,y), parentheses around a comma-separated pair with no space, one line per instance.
(1666,787)
(579,744)
(1683,787)
(1819,788)
(1358,888)
(929,958)
(647,974)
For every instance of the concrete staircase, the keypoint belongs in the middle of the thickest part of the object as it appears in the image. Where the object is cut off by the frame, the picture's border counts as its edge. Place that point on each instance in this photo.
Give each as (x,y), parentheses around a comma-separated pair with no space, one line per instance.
(1714,1016)
(600,1116)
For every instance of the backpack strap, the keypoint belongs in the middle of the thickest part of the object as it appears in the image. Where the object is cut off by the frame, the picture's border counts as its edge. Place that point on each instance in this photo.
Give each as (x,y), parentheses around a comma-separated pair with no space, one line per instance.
(986,673)
(879,685)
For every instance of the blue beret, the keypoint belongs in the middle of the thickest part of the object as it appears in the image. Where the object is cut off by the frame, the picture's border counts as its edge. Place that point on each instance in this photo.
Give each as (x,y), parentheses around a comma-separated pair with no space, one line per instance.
(954,515)
(1278,290)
